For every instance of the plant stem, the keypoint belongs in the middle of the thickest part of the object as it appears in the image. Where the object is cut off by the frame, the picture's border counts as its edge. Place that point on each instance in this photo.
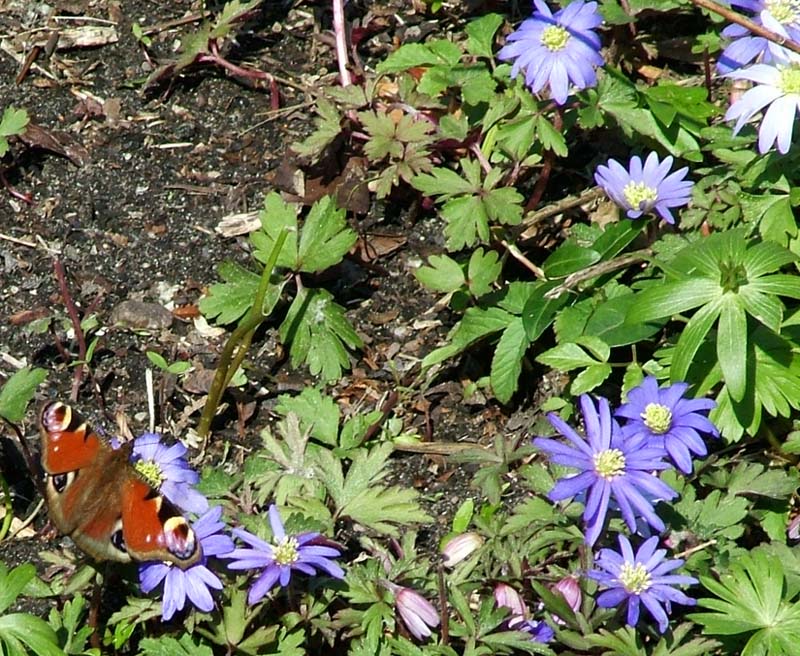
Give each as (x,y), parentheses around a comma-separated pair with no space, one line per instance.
(239,341)
(9,510)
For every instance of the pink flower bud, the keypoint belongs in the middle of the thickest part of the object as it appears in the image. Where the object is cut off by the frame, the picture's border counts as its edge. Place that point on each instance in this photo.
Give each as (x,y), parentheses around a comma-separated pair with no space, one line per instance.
(570,589)
(418,614)
(507,597)
(460,547)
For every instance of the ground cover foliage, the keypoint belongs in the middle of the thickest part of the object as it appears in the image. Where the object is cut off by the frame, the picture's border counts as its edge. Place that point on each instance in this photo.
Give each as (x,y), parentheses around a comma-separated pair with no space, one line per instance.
(613,190)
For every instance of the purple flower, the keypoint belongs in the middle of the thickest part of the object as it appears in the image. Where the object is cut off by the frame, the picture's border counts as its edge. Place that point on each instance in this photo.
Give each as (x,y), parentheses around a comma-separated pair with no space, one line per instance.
(778,90)
(556,49)
(610,466)
(192,583)
(664,418)
(418,614)
(647,188)
(641,578)
(166,469)
(779,16)
(278,560)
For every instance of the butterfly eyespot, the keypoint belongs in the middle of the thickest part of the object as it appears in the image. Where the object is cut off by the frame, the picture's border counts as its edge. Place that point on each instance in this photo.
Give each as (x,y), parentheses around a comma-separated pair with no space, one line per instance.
(61,482)
(180,538)
(118,540)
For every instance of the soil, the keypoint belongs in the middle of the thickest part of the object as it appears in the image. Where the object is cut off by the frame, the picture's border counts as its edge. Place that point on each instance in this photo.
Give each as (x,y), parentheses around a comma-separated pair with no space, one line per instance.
(132,214)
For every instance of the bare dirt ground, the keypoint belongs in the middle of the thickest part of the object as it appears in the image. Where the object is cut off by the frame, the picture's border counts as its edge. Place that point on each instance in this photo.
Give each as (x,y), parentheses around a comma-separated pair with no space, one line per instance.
(132,215)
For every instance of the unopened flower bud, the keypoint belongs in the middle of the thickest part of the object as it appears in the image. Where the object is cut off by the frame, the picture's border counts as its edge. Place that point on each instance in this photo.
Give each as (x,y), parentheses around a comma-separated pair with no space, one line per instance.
(459,548)
(507,597)
(418,614)
(570,589)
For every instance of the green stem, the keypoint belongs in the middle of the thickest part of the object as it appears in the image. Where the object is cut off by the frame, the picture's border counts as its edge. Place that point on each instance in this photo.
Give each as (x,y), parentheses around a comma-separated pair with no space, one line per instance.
(239,341)
(9,510)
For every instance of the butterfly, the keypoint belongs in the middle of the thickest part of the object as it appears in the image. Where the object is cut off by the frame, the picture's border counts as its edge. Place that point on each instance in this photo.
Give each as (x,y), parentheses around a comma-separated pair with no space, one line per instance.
(96,497)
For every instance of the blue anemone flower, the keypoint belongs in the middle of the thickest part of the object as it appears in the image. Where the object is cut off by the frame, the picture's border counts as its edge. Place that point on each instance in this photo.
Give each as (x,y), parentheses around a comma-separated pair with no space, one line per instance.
(610,466)
(645,188)
(641,578)
(556,49)
(288,553)
(166,469)
(195,582)
(777,94)
(779,16)
(663,417)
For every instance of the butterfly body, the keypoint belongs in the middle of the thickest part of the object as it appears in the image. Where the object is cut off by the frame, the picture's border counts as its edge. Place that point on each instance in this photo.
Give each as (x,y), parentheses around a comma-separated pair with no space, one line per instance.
(97,497)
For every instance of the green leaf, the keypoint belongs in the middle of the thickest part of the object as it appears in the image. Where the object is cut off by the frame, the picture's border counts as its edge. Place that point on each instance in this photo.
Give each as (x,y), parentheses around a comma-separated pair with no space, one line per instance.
(569,258)
(692,336)
(316,412)
(463,516)
(480,35)
(275,216)
(157,359)
(412,55)
(326,238)
(482,271)
(13,582)
(18,392)
(673,298)
(539,311)
(21,629)
(590,378)
(227,302)
(360,496)
(443,275)
(318,333)
(550,138)
(566,357)
(750,599)
(732,345)
(609,322)
(476,324)
(169,646)
(14,122)
(328,126)
(507,360)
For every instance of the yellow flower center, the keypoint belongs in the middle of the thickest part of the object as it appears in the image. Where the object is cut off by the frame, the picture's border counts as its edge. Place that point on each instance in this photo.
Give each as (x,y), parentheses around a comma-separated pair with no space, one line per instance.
(789,81)
(286,552)
(637,193)
(151,472)
(657,417)
(609,464)
(635,578)
(784,11)
(555,38)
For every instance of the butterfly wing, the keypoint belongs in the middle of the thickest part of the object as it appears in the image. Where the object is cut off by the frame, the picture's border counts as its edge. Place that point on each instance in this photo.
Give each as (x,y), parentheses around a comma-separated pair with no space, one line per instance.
(97,498)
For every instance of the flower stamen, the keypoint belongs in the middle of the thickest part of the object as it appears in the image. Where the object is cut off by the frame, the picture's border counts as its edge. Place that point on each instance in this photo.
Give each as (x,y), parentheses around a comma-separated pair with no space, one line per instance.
(555,38)
(640,195)
(151,471)
(635,578)
(286,551)
(785,12)
(657,417)
(609,463)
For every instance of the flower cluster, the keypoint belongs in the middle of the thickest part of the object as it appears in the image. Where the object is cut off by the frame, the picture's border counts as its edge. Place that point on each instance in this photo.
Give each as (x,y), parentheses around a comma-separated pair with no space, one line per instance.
(618,463)
(617,468)
(167,470)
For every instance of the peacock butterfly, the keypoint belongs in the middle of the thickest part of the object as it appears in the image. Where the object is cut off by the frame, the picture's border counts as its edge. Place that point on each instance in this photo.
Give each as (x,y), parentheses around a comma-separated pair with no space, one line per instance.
(96,497)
